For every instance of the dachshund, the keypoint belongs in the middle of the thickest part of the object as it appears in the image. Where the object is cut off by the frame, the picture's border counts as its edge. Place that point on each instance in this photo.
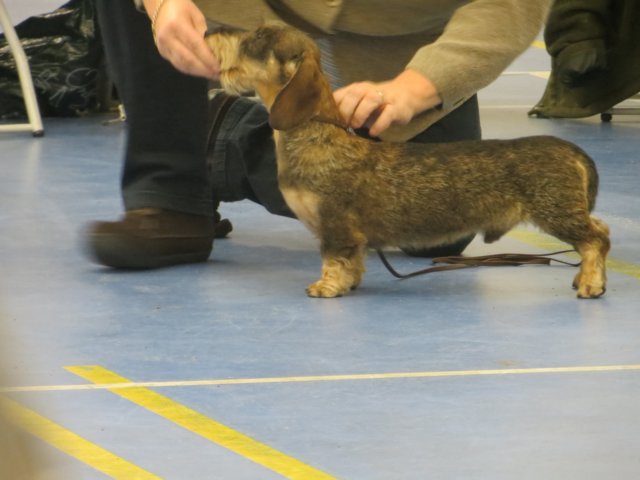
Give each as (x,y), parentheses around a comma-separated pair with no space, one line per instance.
(354,193)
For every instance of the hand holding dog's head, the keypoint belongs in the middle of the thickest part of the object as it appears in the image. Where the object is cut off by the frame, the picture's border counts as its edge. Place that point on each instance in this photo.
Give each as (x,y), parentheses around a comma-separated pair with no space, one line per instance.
(279,63)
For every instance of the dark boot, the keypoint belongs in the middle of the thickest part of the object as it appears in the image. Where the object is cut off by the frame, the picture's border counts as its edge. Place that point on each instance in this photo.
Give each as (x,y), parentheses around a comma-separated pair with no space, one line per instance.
(452,249)
(151,238)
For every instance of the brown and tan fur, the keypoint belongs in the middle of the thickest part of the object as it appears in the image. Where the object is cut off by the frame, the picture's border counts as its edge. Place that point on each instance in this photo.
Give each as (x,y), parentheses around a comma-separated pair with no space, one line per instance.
(353,192)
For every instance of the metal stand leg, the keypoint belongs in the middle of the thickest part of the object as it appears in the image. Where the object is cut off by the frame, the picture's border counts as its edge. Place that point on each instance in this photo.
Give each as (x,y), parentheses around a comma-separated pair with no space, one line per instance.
(24,73)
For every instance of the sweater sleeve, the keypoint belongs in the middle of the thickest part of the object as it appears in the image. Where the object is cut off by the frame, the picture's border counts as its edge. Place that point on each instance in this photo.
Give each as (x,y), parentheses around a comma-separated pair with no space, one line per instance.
(479,42)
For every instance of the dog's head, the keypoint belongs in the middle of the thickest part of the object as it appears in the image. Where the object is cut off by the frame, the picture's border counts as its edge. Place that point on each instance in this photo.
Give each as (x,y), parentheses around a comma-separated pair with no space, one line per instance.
(281,64)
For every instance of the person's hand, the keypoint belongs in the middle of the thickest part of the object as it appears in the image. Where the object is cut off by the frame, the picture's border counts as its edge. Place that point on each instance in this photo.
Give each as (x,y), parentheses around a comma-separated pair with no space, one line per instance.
(380,105)
(179,30)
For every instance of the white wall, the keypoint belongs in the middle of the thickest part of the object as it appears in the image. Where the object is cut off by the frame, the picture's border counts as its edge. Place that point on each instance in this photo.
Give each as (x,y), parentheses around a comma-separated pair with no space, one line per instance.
(21,9)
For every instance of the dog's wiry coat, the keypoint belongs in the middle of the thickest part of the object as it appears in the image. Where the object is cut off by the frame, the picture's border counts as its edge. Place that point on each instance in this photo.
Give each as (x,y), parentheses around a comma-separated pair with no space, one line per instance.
(353,192)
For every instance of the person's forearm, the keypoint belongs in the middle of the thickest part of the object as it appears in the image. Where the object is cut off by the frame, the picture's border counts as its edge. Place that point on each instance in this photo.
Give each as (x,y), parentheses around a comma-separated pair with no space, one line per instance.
(480,41)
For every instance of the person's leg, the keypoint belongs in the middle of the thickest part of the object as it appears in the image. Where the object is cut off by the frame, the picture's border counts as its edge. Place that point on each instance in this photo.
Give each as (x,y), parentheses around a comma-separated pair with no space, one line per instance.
(165,173)
(461,124)
(242,157)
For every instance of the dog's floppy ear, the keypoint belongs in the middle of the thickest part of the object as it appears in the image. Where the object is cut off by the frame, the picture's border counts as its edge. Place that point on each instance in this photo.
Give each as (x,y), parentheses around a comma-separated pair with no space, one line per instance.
(299,100)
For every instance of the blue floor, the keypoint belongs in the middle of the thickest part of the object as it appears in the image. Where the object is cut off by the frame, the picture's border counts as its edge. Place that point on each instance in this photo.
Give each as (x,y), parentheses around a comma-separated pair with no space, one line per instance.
(477,374)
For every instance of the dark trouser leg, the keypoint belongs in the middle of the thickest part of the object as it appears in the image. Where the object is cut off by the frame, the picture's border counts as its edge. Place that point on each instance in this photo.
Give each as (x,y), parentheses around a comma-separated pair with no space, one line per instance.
(243,160)
(165,160)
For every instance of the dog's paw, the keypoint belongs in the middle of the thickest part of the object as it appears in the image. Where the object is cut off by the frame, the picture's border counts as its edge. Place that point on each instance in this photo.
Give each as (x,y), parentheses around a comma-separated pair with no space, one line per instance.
(324,289)
(576,281)
(590,284)
(591,291)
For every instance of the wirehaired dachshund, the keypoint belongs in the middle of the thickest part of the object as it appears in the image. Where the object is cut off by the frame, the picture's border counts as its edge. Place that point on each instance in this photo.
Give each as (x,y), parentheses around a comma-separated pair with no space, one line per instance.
(354,193)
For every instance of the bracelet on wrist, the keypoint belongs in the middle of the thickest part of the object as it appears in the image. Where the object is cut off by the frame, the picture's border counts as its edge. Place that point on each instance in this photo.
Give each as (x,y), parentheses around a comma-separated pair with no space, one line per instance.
(154,17)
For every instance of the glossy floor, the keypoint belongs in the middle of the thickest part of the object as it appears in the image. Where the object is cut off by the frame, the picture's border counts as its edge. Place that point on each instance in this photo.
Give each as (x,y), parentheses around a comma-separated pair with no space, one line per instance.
(226,370)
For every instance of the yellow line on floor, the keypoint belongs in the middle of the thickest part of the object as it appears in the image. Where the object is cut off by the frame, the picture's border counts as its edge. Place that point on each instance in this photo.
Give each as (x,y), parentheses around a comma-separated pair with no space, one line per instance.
(72,444)
(539,44)
(549,243)
(202,425)
(319,378)
(544,74)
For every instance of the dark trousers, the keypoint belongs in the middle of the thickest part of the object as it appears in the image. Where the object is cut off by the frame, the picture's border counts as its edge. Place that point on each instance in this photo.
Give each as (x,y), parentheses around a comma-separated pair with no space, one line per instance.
(165,158)
(168,163)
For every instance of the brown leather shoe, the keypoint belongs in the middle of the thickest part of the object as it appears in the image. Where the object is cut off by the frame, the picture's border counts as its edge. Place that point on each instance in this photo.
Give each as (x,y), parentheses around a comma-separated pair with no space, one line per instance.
(151,238)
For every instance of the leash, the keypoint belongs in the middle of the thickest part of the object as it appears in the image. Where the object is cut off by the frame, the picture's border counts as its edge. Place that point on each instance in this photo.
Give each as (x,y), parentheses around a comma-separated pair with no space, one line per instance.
(496,260)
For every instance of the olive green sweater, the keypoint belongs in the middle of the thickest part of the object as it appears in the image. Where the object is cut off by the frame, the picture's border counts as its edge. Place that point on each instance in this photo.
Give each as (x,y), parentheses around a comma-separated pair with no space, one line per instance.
(595,57)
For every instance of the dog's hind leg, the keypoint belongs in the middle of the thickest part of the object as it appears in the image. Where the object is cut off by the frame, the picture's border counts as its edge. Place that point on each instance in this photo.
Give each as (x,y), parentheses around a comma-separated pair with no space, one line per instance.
(590,237)
(591,280)
(342,268)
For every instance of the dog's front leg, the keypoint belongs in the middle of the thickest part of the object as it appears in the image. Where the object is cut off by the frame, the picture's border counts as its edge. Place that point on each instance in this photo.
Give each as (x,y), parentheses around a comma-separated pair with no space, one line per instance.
(342,269)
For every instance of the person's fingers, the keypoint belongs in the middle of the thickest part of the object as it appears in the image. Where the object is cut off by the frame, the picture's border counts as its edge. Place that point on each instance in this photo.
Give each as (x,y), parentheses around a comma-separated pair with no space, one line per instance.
(383,121)
(338,95)
(391,114)
(201,53)
(347,104)
(199,22)
(179,36)
(358,102)
(369,105)
(183,59)
(193,38)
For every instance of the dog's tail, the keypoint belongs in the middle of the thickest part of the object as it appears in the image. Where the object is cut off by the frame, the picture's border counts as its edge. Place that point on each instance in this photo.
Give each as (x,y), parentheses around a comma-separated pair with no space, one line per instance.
(586,168)
(592,179)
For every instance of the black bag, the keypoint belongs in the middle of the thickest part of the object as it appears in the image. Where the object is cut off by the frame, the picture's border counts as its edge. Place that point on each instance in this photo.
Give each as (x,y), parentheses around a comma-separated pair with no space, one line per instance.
(66,59)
